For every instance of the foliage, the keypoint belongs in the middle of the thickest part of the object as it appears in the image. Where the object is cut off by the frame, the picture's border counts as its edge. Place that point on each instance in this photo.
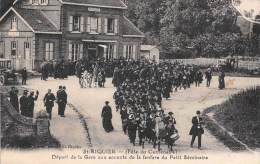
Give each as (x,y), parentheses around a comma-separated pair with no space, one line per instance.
(204,27)
(241,115)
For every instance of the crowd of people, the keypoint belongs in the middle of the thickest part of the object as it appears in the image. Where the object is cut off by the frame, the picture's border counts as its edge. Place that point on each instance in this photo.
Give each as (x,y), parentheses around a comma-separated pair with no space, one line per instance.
(25,104)
(57,69)
(140,90)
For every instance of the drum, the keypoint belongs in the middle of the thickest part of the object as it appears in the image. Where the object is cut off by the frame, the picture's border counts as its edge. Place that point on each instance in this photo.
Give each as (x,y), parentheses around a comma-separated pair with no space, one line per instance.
(175,136)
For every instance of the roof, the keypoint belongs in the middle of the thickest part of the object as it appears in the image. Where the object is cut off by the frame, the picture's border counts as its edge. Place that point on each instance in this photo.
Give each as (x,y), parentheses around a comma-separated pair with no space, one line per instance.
(35,19)
(97,3)
(130,30)
(147,47)
(93,3)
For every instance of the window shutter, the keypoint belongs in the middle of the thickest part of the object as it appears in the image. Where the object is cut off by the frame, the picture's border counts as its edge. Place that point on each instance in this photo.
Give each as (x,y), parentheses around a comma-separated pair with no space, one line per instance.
(30,1)
(19,55)
(115,50)
(70,23)
(88,24)
(51,51)
(134,52)
(47,2)
(82,24)
(105,27)
(124,52)
(81,51)
(70,50)
(99,25)
(116,26)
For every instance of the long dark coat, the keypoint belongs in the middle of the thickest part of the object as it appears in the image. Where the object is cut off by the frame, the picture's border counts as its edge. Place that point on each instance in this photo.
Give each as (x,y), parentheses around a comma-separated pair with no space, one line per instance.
(106,118)
(14,100)
(24,106)
(24,74)
(195,130)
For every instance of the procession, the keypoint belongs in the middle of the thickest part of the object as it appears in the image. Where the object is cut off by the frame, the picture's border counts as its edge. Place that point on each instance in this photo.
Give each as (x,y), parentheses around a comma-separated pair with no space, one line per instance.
(140,89)
(138,79)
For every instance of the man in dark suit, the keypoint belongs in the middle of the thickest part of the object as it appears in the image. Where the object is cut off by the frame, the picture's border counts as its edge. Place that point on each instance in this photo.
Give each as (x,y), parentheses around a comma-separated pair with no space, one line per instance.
(61,100)
(49,99)
(196,129)
(208,75)
(24,104)
(13,94)
(24,76)
(31,99)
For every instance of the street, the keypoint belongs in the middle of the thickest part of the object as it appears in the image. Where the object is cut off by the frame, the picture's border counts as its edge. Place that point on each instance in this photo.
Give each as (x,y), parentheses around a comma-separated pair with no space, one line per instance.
(89,102)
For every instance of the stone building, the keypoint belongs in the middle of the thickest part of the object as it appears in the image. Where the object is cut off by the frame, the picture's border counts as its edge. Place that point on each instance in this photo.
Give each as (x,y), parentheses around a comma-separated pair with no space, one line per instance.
(150,53)
(32,31)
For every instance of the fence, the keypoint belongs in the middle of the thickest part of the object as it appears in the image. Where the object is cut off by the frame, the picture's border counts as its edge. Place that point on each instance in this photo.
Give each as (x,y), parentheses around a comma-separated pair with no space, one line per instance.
(246,64)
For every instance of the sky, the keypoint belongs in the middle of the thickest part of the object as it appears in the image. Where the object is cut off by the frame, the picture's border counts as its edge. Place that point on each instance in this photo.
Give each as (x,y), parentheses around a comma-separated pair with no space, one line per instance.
(248,5)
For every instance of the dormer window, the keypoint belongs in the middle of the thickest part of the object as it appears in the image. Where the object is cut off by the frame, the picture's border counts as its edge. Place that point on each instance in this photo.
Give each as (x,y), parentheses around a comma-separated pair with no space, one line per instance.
(43,2)
(14,24)
(40,2)
(35,2)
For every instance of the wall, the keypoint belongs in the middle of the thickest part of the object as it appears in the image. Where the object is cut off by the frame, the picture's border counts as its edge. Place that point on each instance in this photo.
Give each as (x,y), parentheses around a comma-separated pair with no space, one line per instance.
(247,64)
(68,10)
(40,40)
(23,34)
(52,10)
(14,124)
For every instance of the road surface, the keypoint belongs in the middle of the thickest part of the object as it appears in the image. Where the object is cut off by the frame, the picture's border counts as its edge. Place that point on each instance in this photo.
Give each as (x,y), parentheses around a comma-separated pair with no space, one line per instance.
(90,101)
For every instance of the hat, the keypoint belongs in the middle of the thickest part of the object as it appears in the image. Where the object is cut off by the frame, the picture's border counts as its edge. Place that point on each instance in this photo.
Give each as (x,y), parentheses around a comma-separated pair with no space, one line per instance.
(170,113)
(25,91)
(198,112)
(106,102)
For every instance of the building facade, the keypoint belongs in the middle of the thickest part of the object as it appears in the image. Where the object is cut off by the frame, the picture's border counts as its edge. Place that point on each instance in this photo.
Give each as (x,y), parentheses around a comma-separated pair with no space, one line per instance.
(36,30)
(150,53)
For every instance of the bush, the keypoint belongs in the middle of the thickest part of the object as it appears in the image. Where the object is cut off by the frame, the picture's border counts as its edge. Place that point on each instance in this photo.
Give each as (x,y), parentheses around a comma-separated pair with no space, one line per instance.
(241,116)
(29,142)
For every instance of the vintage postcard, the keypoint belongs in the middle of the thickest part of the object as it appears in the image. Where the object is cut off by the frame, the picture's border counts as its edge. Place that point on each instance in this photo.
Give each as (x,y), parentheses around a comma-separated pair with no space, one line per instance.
(130,81)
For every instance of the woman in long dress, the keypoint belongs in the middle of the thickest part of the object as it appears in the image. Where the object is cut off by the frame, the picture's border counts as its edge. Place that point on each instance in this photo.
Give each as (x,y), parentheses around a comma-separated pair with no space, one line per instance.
(106,118)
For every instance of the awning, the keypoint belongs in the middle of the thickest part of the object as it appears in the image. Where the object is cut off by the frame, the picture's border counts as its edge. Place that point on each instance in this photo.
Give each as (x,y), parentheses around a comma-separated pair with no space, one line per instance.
(100,41)
(104,46)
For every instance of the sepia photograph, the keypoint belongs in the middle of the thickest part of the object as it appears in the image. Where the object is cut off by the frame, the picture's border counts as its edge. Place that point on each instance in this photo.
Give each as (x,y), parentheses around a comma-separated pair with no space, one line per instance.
(130,81)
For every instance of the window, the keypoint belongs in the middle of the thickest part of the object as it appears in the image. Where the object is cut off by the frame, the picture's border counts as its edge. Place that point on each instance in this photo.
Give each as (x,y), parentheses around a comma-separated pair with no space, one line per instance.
(93,25)
(49,51)
(75,51)
(14,23)
(129,51)
(13,48)
(110,52)
(110,25)
(44,2)
(26,50)
(2,49)
(76,23)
